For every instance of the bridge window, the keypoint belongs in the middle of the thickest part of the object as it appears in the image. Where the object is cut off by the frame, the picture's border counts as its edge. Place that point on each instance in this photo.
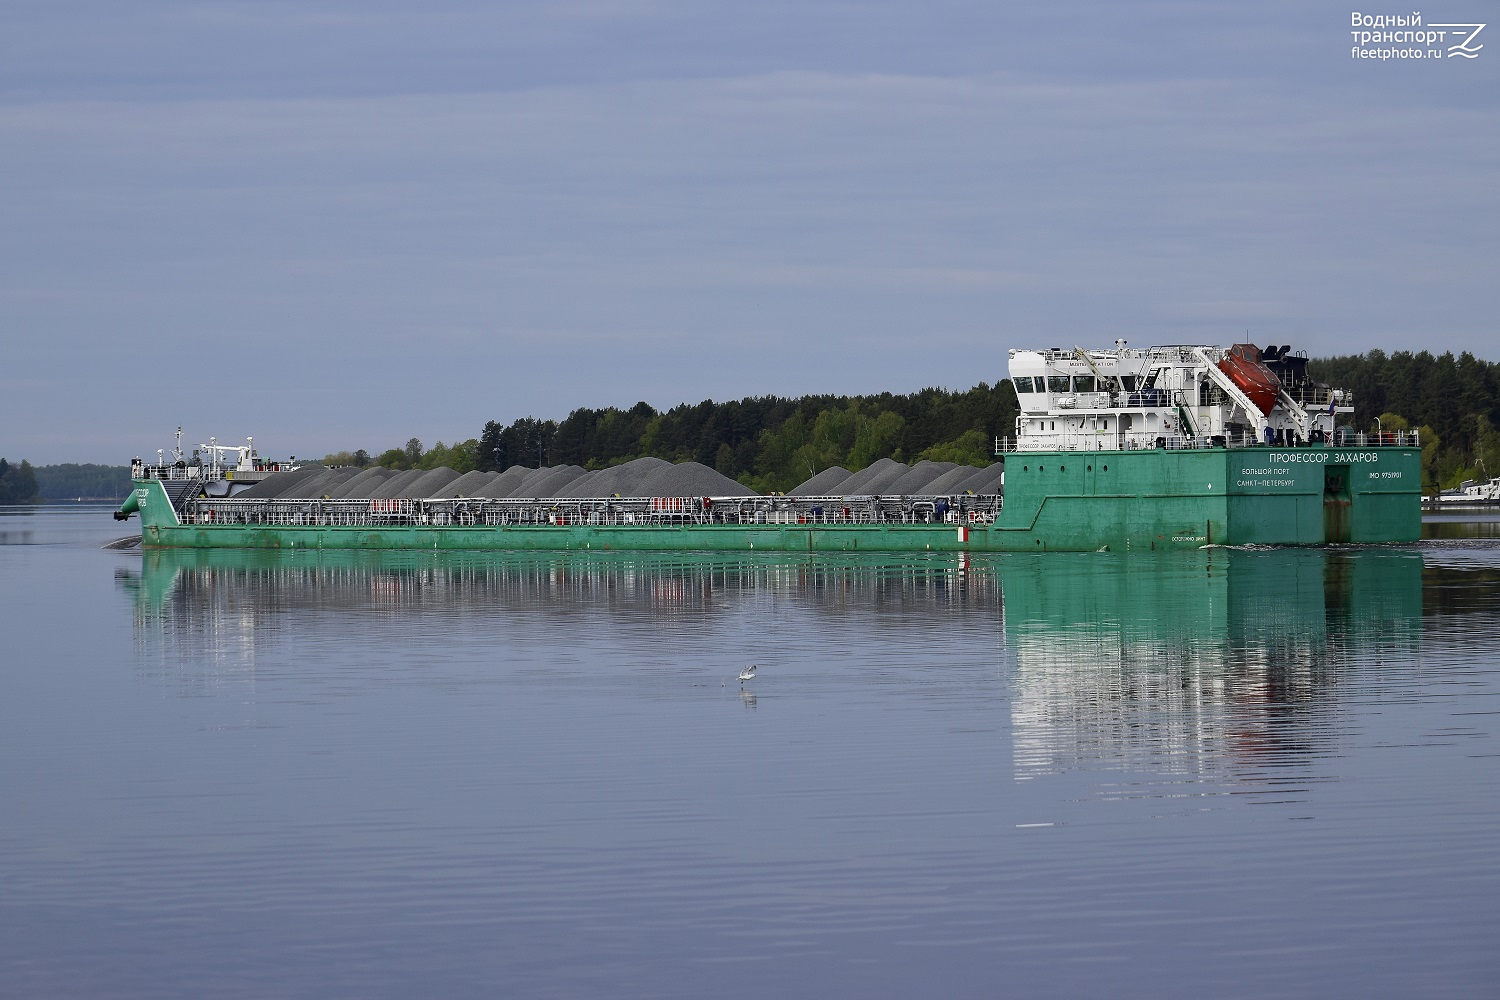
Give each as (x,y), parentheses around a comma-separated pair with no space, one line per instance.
(1058,383)
(1083,383)
(1023,383)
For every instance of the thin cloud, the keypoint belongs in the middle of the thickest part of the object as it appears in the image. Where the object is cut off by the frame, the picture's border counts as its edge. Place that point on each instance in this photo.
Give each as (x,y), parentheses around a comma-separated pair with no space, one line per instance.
(545,244)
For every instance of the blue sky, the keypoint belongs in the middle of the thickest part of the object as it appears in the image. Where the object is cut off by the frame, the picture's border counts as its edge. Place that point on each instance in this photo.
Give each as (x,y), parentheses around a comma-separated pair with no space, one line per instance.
(340,225)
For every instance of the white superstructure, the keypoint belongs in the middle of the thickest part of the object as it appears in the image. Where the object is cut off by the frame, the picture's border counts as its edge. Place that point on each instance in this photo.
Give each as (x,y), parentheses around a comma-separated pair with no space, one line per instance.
(229,469)
(1473,492)
(1175,396)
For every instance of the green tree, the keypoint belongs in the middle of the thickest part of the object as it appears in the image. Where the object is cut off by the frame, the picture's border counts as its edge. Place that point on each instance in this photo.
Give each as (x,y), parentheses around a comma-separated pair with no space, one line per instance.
(462,457)
(1486,447)
(490,456)
(1430,442)
(876,439)
(969,448)
(17,482)
(777,464)
(1444,393)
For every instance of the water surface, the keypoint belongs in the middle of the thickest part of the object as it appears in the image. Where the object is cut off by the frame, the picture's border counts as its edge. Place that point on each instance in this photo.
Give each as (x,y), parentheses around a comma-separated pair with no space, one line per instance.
(1236,773)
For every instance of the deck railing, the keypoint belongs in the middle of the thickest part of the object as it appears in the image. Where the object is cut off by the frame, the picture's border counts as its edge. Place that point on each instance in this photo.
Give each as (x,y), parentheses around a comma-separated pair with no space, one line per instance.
(644,512)
(182,471)
(1115,441)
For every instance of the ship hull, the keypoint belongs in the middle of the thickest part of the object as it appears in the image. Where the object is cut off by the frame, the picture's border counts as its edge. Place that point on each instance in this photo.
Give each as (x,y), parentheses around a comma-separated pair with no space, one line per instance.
(1134,500)
(1054,501)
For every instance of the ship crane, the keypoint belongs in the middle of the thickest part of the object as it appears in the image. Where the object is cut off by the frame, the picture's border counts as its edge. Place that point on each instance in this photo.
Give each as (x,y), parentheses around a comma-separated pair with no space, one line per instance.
(244,454)
(1103,378)
(1298,413)
(1216,375)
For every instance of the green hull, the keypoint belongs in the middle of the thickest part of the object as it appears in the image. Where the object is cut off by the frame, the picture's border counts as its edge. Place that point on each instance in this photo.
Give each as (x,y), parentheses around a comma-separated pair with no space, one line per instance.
(1054,501)
(1132,500)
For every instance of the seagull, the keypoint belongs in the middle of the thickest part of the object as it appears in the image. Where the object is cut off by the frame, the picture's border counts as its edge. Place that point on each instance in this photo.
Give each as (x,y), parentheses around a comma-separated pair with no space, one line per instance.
(748,674)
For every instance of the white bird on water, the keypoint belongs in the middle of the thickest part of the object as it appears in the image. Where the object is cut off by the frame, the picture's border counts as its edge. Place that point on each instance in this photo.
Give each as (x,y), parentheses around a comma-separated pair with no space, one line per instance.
(748,674)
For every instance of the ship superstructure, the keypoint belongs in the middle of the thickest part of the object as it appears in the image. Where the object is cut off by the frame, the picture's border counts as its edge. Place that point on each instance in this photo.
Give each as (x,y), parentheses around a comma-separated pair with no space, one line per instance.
(1173,397)
(213,470)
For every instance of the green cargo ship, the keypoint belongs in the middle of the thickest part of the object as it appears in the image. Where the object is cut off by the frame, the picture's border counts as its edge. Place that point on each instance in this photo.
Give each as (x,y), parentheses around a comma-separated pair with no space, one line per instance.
(1126,450)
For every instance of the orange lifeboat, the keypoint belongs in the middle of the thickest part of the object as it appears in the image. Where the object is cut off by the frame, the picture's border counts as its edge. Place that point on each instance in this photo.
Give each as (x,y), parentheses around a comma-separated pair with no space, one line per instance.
(1244,366)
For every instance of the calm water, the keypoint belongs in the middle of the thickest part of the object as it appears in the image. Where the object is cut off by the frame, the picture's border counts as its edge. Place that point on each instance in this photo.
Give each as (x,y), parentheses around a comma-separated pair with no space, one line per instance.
(1225,773)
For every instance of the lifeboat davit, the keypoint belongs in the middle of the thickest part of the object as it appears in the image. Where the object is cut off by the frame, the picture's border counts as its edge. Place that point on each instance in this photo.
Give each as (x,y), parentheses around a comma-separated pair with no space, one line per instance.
(1245,368)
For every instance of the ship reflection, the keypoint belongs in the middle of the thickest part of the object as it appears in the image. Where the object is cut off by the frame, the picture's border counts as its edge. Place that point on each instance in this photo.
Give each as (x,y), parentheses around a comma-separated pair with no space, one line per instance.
(1225,661)
(216,608)
(1219,663)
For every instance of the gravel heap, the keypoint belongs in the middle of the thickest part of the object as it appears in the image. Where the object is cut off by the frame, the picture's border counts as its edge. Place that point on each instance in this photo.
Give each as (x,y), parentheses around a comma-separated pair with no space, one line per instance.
(824,484)
(550,482)
(526,485)
(362,484)
(854,485)
(983,481)
(467,485)
(891,478)
(989,481)
(577,487)
(693,479)
(944,485)
(643,477)
(920,475)
(427,485)
(629,480)
(278,482)
(869,481)
(505,484)
(304,488)
(395,486)
(321,485)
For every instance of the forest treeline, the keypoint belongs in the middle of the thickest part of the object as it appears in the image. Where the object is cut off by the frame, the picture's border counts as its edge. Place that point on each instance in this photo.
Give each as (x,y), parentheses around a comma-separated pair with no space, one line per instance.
(1454,402)
(24,482)
(69,481)
(770,443)
(17,482)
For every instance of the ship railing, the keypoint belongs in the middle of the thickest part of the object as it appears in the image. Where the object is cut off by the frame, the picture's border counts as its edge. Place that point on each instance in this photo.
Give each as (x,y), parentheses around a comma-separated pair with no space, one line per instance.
(1168,353)
(1343,437)
(1318,396)
(645,511)
(1174,354)
(178,472)
(1114,441)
